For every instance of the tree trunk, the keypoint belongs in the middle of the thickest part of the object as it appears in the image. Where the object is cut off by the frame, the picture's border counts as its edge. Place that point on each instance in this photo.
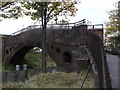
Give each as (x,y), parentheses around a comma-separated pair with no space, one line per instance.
(44,52)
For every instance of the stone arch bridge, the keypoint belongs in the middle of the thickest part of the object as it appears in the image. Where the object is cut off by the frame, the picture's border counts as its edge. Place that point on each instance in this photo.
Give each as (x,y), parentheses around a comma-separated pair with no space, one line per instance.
(67,45)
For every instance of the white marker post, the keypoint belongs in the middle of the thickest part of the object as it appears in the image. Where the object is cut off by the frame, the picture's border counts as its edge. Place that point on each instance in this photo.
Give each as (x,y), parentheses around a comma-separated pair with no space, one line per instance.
(17,67)
(25,67)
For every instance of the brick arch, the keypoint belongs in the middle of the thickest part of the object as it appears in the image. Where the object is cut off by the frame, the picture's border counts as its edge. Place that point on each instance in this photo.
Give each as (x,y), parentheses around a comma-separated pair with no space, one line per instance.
(22,43)
(16,58)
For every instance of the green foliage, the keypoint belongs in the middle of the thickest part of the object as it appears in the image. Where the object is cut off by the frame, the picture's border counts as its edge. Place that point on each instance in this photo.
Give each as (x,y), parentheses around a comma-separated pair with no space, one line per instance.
(114,20)
(37,9)
(113,25)
(113,30)
(33,59)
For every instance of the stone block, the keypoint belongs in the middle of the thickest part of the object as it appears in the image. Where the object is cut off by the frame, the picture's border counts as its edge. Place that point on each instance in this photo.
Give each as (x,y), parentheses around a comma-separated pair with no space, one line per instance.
(10,76)
(20,76)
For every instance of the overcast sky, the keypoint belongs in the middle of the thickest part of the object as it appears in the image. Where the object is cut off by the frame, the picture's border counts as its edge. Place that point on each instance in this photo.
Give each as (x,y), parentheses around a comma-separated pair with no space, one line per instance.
(93,10)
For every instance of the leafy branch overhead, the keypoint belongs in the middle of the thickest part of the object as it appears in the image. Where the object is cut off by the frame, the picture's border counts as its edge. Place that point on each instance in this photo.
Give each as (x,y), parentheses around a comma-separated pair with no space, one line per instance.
(36,9)
(114,20)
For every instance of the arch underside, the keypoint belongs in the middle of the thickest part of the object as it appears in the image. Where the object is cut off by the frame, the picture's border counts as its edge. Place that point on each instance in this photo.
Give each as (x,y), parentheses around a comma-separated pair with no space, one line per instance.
(18,56)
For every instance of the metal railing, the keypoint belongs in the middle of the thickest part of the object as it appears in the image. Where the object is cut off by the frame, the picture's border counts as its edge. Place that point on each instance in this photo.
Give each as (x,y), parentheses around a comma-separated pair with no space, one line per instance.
(26,29)
(51,26)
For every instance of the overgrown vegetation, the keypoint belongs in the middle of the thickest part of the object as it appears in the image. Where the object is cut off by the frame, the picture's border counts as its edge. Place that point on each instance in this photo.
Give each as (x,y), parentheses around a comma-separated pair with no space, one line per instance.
(55,80)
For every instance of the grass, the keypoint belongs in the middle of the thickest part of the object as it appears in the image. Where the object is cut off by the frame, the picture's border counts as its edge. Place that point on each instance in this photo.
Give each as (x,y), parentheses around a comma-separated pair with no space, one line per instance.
(54,80)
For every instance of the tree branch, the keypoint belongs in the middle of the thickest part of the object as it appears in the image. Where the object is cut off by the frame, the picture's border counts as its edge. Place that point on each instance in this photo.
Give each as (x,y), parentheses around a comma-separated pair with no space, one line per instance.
(64,8)
(6,5)
(52,10)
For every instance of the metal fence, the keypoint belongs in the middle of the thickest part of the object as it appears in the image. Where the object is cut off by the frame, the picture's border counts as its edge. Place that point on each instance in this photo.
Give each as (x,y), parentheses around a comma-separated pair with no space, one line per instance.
(52,27)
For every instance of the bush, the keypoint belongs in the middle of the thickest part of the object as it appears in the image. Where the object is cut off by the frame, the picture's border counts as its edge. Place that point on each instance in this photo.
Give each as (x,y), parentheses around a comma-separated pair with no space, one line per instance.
(34,60)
